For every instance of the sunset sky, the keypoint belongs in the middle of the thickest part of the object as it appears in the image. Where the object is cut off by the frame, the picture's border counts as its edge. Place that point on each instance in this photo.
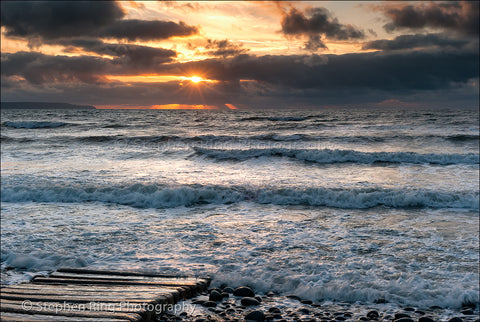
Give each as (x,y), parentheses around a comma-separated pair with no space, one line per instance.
(239,54)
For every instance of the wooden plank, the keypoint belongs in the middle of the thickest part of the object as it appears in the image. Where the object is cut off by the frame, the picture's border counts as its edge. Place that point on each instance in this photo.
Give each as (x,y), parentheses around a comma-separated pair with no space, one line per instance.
(17,317)
(121,273)
(59,291)
(8,308)
(91,288)
(84,299)
(180,280)
(98,306)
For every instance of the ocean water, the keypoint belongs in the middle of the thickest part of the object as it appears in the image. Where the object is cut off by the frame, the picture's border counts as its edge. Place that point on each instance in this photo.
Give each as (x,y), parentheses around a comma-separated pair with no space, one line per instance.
(344,205)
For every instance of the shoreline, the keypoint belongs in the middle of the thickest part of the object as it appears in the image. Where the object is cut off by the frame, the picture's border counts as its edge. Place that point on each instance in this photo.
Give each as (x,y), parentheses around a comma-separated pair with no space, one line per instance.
(228,304)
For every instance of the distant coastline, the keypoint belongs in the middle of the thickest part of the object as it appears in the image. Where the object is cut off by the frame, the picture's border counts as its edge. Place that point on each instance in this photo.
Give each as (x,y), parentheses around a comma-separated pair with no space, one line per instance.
(44,106)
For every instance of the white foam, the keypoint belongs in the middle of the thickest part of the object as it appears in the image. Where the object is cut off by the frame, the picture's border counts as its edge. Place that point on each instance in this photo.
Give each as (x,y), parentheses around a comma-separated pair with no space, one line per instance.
(340,156)
(162,196)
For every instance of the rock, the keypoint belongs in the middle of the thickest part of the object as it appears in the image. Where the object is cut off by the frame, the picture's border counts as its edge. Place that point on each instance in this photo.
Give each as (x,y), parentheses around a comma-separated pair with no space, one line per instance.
(270,294)
(306,302)
(304,310)
(215,296)
(409,309)
(372,315)
(401,315)
(363,318)
(258,298)
(228,290)
(435,307)
(274,310)
(247,301)
(243,291)
(405,320)
(455,319)
(467,312)
(225,295)
(255,316)
(210,304)
(200,302)
(426,319)
(294,297)
(340,318)
(420,312)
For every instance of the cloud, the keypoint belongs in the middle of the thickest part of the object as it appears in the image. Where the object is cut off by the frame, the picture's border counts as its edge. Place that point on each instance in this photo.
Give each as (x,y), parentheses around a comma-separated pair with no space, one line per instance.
(56,19)
(224,48)
(319,22)
(461,17)
(48,20)
(136,54)
(416,41)
(134,30)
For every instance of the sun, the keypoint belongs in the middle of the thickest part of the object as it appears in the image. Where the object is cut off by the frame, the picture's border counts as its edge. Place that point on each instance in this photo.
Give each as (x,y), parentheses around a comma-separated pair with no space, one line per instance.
(196,79)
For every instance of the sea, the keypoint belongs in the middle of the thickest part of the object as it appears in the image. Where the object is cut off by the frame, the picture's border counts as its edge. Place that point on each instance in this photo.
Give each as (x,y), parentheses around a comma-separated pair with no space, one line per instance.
(359,205)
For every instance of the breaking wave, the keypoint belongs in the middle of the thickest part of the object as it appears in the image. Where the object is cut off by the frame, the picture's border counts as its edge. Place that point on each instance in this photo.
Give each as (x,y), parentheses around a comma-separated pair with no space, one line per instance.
(340,156)
(164,196)
(34,124)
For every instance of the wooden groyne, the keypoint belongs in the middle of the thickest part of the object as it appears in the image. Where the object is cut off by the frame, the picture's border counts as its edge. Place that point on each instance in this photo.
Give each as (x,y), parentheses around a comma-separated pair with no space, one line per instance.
(72,294)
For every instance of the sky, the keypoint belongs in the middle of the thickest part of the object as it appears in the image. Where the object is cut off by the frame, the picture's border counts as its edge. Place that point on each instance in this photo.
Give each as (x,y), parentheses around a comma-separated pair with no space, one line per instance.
(241,54)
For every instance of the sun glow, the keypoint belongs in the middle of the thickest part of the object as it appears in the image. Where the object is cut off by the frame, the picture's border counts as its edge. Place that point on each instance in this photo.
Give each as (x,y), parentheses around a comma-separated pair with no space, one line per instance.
(196,79)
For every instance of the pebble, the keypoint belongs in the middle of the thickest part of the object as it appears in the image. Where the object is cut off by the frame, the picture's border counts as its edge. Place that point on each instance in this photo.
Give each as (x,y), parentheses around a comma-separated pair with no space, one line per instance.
(405,319)
(243,291)
(426,319)
(306,302)
(401,315)
(455,319)
(215,296)
(247,301)
(372,315)
(467,312)
(228,290)
(255,316)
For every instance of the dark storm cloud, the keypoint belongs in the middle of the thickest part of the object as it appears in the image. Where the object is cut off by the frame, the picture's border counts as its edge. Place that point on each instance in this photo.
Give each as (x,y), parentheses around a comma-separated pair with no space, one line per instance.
(460,17)
(223,48)
(319,22)
(56,19)
(389,72)
(397,71)
(142,55)
(416,41)
(67,19)
(147,30)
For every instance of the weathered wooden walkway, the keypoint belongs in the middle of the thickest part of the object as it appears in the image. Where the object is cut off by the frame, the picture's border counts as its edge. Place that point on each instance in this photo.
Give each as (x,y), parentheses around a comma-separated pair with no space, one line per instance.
(71,294)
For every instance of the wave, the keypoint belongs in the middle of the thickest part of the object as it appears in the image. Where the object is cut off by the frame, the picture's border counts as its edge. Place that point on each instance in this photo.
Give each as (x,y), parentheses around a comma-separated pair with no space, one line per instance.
(34,124)
(340,156)
(164,196)
(462,137)
(276,118)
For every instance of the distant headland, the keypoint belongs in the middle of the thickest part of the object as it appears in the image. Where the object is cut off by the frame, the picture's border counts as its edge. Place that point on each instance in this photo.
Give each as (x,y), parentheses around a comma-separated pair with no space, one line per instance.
(44,106)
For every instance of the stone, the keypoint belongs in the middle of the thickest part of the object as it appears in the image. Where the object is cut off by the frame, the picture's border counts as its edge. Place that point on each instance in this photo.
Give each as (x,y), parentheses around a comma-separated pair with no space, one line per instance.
(258,298)
(200,302)
(420,312)
(467,312)
(228,290)
(405,319)
(294,297)
(210,304)
(243,291)
(304,310)
(247,301)
(426,319)
(270,294)
(255,316)
(306,302)
(372,315)
(215,296)
(274,309)
(401,315)
(409,309)
(225,295)
(455,319)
